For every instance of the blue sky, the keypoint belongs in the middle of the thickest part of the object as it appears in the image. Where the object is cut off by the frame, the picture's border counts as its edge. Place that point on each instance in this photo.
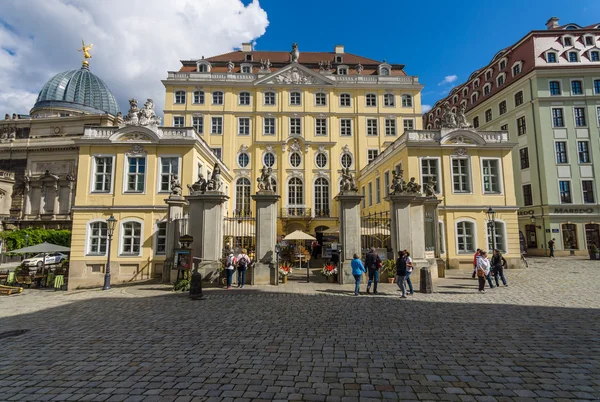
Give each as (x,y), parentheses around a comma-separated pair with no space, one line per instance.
(433,39)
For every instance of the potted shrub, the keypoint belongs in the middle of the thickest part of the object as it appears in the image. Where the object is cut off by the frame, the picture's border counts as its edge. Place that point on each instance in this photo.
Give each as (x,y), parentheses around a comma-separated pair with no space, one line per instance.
(285,268)
(594,253)
(390,269)
(330,271)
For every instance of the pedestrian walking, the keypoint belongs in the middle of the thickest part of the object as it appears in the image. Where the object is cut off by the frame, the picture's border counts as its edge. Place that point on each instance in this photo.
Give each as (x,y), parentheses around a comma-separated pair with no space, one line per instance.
(483,270)
(357,271)
(551,245)
(401,273)
(475,262)
(498,263)
(409,270)
(229,268)
(242,265)
(373,263)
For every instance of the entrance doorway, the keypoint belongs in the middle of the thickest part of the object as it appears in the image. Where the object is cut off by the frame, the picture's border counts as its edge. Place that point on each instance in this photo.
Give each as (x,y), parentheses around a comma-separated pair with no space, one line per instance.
(592,235)
(531,235)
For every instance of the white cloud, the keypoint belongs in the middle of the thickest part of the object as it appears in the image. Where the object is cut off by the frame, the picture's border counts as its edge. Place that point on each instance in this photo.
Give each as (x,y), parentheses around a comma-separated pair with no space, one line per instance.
(135,42)
(449,79)
(425,108)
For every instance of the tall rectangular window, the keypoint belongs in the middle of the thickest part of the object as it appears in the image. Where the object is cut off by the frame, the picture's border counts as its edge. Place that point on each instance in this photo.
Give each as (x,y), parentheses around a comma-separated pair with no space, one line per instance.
(579,117)
(519,98)
(460,176)
(430,171)
(370,193)
(364,199)
(217,98)
(551,57)
(131,238)
(390,126)
(345,127)
(218,153)
(386,183)
(198,123)
(555,88)
(321,99)
(216,125)
(524,155)
(557,117)
(521,126)
(169,167)
(527,195)
(345,100)
(295,126)
(320,126)
(97,239)
(269,98)
(561,152)
(576,87)
(178,121)
(408,124)
(587,187)
(475,121)
(372,154)
(199,97)
(136,173)
(244,126)
(372,127)
(488,115)
(377,190)
(371,100)
(464,237)
(103,174)
(502,107)
(269,126)
(491,176)
(161,238)
(583,150)
(565,192)
(597,87)
(295,98)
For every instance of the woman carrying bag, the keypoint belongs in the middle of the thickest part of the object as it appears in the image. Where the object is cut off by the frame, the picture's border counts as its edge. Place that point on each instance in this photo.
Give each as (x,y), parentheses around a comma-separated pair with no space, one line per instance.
(483,270)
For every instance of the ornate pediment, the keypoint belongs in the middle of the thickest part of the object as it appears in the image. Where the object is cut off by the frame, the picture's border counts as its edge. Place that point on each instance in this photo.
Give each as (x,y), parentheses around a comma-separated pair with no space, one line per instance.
(135,137)
(459,139)
(136,150)
(295,74)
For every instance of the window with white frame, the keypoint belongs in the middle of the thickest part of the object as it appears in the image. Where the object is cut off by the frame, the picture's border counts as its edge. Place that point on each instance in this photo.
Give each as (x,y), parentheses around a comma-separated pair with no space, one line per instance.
(460,175)
(502,64)
(516,70)
(583,151)
(180,97)
(342,70)
(589,40)
(202,68)
(269,126)
(320,126)
(386,183)
(487,88)
(567,41)
(579,113)
(295,98)
(488,115)
(295,191)
(345,127)
(502,107)
(476,84)
(564,187)
(594,55)
(97,237)
(199,97)
(465,236)
(136,174)
(491,176)
(295,159)
(346,160)
(321,160)
(161,238)
(103,171)
(497,235)
(345,100)
(573,57)
(243,159)
(247,69)
(178,121)
(521,126)
(408,124)
(269,98)
(217,98)
(371,100)
(372,154)
(216,125)
(500,80)
(242,196)
(269,159)
(557,117)
(554,88)
(488,74)
(587,187)
(430,171)
(561,152)
(244,126)
(407,101)
(390,126)
(377,190)
(596,87)
(244,98)
(473,97)
(551,57)
(131,238)
(372,127)
(198,123)
(169,167)
(384,71)
(389,100)
(295,126)
(321,99)
(322,197)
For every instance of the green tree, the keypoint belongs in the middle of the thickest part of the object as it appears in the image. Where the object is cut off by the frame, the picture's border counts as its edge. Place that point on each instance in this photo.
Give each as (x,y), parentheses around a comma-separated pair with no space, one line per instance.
(16,239)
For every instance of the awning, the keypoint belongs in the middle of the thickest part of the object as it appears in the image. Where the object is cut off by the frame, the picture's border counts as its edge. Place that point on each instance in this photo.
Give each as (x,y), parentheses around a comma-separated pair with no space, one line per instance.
(299,235)
(42,248)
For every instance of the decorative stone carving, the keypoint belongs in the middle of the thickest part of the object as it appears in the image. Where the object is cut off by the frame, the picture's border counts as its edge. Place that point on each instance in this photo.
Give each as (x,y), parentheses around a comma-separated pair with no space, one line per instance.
(136,150)
(461,151)
(70,177)
(461,119)
(265,181)
(215,182)
(359,68)
(348,182)
(295,146)
(322,148)
(294,76)
(325,66)
(243,148)
(135,137)
(265,65)
(269,148)
(144,117)
(429,187)
(199,187)
(295,53)
(412,187)
(6,116)
(175,186)
(230,66)
(398,184)
(346,148)
(448,118)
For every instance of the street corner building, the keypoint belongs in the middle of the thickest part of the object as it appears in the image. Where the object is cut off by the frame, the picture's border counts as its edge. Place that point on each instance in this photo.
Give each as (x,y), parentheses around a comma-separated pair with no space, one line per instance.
(545,91)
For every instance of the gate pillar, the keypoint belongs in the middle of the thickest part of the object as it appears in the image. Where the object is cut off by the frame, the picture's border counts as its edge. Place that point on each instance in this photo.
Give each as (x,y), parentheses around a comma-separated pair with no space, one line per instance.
(349,233)
(265,269)
(175,212)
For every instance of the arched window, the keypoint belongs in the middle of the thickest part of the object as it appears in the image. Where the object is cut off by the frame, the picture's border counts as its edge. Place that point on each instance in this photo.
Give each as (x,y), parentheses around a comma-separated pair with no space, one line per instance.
(295,191)
(321,160)
(389,100)
(465,237)
(97,235)
(385,71)
(346,160)
(245,98)
(243,159)
(321,197)
(242,196)
(131,238)
(199,97)
(407,101)
(179,96)
(295,159)
(500,240)
(161,238)
(269,159)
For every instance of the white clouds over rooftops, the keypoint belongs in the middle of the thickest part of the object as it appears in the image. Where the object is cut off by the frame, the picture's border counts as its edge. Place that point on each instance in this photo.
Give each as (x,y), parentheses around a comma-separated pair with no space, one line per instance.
(449,79)
(135,42)
(425,108)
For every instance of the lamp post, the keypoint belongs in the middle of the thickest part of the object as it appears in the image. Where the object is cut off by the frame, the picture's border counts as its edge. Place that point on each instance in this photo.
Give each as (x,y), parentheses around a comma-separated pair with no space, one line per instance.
(277,252)
(491,215)
(111,222)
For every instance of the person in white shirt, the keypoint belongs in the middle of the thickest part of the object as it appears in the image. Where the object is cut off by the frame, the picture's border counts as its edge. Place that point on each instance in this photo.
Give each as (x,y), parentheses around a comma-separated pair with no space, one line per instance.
(242,264)
(229,268)
(409,269)
(483,269)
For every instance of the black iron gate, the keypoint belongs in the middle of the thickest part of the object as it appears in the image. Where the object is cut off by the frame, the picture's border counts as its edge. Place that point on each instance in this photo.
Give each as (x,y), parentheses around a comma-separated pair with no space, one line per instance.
(375,230)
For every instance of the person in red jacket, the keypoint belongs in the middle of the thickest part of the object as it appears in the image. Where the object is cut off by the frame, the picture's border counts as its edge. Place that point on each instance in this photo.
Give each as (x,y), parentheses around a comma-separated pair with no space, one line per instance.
(477,254)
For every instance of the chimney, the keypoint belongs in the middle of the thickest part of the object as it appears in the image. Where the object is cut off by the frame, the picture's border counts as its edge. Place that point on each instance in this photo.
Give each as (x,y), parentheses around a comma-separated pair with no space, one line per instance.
(339,49)
(247,47)
(552,23)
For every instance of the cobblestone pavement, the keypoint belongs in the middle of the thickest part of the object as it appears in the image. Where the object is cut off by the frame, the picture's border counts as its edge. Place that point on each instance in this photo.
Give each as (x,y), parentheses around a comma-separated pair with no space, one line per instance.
(537,339)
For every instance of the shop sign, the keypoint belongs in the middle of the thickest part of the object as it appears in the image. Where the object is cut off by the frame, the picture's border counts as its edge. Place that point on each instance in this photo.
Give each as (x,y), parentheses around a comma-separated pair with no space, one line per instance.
(573,210)
(554,230)
(529,212)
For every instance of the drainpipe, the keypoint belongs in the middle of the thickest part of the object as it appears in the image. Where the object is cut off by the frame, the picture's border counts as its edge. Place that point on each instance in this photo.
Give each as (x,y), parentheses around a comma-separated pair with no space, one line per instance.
(537,162)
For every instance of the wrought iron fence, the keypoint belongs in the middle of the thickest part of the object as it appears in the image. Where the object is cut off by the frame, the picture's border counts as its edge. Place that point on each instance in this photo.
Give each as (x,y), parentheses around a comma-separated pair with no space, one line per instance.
(375,230)
(239,231)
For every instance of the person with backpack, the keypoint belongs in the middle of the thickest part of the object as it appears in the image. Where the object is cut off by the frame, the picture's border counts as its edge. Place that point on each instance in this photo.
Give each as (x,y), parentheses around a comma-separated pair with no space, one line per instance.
(401,273)
(551,245)
(242,265)
(357,271)
(409,270)
(229,268)
(483,270)
(373,263)
(498,263)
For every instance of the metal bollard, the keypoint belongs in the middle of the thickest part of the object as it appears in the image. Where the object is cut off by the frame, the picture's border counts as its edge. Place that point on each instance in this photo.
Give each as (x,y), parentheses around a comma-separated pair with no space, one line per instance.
(426,284)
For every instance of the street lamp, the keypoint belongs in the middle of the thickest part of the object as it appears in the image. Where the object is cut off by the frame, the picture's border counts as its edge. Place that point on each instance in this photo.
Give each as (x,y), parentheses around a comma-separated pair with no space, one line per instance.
(111,222)
(532,218)
(277,252)
(491,215)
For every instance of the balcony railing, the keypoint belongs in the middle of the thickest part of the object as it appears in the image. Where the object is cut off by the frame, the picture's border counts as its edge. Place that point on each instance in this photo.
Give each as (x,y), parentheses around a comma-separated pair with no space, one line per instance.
(296,212)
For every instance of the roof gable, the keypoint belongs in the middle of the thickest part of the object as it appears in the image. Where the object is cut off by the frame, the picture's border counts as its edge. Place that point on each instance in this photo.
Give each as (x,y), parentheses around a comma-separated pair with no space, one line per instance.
(294,74)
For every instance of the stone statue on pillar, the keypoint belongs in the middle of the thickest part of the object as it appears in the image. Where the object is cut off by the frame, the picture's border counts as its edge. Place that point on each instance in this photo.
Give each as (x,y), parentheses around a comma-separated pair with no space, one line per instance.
(412,187)
(348,182)
(215,182)
(265,181)
(429,187)
(398,183)
(175,186)
(199,187)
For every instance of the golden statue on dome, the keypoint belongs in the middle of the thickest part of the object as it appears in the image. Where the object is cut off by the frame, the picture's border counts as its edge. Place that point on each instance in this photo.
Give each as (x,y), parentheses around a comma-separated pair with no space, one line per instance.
(86,52)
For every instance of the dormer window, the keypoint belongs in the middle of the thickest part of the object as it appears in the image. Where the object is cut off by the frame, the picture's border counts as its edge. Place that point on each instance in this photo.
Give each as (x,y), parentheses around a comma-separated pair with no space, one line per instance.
(567,41)
(455,99)
(339,59)
(573,57)
(246,69)
(502,64)
(488,74)
(385,71)
(249,57)
(594,55)
(342,70)
(487,88)
(500,79)
(474,98)
(476,84)
(516,68)
(430,117)
(203,67)
(463,103)
(437,112)
(551,57)
(571,27)
(589,40)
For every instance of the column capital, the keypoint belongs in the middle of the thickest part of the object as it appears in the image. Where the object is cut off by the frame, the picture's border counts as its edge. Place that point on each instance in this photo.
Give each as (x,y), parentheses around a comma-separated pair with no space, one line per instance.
(176,201)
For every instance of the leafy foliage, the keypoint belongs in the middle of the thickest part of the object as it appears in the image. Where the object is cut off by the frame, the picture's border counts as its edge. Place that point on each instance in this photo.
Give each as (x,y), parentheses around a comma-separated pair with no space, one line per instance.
(16,239)
(182,285)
